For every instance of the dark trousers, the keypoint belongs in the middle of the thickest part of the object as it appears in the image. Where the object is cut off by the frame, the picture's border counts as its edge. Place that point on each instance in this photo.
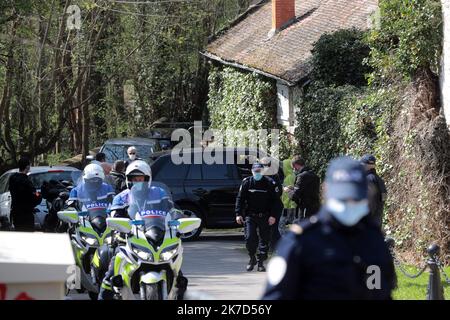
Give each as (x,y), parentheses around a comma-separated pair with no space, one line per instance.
(274,236)
(257,233)
(23,221)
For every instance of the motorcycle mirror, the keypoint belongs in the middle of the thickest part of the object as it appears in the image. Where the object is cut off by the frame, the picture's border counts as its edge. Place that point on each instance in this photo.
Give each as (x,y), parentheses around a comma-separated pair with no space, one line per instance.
(188,224)
(122,225)
(68,216)
(83,213)
(174,223)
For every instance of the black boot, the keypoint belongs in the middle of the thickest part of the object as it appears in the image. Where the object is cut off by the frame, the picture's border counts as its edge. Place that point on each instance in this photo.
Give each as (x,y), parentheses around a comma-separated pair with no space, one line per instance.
(252,263)
(261,267)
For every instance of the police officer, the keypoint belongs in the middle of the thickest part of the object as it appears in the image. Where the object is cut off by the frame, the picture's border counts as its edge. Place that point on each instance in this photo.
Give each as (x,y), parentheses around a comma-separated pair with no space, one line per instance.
(258,200)
(306,190)
(377,189)
(273,170)
(139,176)
(338,253)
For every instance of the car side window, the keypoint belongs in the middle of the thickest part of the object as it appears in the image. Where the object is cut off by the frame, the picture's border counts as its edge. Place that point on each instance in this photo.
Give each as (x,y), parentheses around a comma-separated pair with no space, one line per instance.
(171,171)
(113,152)
(217,171)
(4,183)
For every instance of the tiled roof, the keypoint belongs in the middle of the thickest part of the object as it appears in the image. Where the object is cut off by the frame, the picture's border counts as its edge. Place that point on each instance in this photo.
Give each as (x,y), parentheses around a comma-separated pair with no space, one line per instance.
(285,55)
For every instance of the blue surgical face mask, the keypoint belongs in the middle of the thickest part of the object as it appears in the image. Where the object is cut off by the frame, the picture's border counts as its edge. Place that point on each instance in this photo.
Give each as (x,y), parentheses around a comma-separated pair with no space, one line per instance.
(348,213)
(140,187)
(257,176)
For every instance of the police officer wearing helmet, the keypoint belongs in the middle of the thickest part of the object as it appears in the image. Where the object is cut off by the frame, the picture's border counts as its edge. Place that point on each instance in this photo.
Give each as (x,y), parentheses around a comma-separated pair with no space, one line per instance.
(377,189)
(257,202)
(139,177)
(93,186)
(338,253)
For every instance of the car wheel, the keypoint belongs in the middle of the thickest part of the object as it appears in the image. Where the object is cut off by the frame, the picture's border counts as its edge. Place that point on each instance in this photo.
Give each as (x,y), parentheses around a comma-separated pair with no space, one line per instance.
(192,212)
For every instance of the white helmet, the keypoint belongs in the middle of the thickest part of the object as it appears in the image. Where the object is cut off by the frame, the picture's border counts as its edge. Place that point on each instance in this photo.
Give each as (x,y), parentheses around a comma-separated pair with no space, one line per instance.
(138,168)
(93,177)
(93,170)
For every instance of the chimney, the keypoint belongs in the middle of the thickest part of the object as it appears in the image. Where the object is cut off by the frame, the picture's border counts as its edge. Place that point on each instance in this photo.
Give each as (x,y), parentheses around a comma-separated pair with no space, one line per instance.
(283,12)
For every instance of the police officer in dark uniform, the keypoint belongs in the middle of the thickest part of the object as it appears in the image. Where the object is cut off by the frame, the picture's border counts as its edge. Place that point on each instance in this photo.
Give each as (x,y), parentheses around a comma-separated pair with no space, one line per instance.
(338,253)
(273,170)
(377,189)
(257,202)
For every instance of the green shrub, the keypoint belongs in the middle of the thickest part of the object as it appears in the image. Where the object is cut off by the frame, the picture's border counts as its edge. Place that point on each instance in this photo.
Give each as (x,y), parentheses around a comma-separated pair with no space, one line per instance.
(338,58)
(409,38)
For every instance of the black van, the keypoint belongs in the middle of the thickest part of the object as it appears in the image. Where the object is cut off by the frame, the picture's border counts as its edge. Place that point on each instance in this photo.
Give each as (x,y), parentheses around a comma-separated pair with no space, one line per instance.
(206,190)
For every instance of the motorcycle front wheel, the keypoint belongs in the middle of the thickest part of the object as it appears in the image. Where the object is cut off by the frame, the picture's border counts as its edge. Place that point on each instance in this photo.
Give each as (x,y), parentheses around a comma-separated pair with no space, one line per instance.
(151,291)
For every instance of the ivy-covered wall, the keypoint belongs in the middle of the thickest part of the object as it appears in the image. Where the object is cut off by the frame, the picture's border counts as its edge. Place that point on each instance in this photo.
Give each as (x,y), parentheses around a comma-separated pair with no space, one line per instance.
(241,100)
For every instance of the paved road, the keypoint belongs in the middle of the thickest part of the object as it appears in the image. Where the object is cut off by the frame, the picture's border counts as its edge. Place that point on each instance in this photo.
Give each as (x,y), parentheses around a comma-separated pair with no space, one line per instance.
(215,268)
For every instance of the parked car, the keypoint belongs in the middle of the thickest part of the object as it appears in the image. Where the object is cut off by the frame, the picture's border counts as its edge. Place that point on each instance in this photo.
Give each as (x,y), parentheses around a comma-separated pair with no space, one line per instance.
(207,191)
(116,149)
(37,175)
(162,131)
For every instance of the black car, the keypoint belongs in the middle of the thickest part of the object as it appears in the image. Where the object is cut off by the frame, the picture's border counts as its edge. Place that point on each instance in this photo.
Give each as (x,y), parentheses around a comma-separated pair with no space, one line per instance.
(116,149)
(207,191)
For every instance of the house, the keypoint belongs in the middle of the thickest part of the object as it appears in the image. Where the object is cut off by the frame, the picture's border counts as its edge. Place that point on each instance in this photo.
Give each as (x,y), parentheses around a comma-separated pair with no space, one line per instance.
(274,38)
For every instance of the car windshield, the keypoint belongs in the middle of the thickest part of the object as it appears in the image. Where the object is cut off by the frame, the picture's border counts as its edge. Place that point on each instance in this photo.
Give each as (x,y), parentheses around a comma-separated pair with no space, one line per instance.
(115,152)
(58,175)
(151,205)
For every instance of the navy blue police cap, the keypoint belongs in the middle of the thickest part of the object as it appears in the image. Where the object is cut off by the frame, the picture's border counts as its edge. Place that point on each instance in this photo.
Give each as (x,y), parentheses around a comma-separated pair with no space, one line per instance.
(346,179)
(368,159)
(257,166)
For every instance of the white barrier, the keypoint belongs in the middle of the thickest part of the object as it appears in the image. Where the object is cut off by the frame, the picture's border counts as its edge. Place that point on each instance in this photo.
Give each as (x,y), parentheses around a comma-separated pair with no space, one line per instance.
(34,265)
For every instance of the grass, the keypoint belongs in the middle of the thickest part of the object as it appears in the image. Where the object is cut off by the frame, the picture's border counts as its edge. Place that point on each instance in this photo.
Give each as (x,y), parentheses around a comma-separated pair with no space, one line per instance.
(416,289)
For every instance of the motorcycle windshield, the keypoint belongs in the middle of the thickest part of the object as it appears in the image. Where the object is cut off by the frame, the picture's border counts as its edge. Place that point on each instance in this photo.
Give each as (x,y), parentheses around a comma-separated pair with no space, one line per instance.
(151,205)
(94,197)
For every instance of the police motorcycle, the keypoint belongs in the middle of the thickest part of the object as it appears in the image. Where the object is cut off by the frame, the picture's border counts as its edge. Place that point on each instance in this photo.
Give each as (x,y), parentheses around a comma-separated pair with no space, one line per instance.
(149,262)
(91,239)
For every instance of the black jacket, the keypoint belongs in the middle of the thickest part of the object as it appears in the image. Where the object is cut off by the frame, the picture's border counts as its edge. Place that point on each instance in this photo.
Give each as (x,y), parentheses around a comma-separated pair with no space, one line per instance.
(306,192)
(377,196)
(23,199)
(119,181)
(256,197)
(325,260)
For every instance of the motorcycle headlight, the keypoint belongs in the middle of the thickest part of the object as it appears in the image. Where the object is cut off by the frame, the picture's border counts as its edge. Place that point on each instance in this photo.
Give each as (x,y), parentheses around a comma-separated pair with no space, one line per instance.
(107,240)
(90,240)
(168,253)
(143,253)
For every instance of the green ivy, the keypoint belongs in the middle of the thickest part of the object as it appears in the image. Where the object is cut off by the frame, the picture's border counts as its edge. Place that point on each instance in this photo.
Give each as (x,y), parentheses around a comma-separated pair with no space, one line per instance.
(244,101)
(409,38)
(338,58)
(320,130)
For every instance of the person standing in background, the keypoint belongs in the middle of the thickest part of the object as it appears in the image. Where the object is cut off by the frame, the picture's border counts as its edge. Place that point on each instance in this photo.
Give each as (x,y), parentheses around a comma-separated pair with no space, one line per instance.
(306,190)
(118,176)
(24,198)
(377,189)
